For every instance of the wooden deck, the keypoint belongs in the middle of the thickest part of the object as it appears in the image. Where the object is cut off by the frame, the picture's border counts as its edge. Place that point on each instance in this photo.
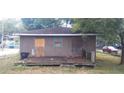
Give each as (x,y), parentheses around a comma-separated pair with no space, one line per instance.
(57,61)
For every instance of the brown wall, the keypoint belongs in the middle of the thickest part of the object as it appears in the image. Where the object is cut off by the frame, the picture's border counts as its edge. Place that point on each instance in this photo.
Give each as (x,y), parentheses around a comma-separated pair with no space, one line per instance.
(71,45)
(51,50)
(26,44)
(89,43)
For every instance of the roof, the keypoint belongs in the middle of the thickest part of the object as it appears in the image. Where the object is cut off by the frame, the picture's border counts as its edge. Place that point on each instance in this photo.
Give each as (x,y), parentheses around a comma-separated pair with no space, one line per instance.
(60,31)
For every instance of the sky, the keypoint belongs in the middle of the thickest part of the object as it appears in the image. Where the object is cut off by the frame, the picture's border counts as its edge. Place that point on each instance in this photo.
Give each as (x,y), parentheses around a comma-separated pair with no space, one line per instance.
(8,18)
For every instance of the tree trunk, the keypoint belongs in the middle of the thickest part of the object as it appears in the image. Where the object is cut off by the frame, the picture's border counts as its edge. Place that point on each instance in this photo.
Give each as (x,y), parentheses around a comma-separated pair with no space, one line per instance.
(122,54)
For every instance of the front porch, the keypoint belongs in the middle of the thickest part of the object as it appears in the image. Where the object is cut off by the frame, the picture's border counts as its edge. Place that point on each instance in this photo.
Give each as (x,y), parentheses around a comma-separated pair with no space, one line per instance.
(57,61)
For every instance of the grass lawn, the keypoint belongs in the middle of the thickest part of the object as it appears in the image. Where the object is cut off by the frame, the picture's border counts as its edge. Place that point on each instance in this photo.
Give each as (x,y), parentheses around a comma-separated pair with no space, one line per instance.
(105,64)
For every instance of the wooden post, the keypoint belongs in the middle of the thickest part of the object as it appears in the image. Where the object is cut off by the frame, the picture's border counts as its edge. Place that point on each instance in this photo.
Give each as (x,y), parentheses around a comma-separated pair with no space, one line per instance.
(92,56)
(32,52)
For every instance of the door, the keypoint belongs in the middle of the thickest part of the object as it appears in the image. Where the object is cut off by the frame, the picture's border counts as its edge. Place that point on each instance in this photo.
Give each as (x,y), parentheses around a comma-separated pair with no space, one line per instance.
(39,46)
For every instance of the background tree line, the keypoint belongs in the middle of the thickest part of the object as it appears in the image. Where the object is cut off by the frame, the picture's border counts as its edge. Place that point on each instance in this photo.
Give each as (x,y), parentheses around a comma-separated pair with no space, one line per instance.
(11,25)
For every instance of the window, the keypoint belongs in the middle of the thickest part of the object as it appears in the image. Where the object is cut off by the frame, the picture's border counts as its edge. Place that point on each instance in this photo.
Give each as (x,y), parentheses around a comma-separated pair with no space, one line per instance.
(57,42)
(76,49)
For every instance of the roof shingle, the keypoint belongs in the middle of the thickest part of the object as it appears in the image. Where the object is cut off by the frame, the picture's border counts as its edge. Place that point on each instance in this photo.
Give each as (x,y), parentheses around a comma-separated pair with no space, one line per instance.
(59,30)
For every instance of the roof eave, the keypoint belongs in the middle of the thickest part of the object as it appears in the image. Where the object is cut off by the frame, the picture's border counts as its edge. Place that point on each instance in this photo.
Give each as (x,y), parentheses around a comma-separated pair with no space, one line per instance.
(55,34)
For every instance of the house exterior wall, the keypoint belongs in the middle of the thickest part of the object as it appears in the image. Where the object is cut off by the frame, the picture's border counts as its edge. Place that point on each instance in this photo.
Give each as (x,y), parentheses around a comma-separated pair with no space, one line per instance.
(77,43)
(64,50)
(89,43)
(26,44)
(71,46)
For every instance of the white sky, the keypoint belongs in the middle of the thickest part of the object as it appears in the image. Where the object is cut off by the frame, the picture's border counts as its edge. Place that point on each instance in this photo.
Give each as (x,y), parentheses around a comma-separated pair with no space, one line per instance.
(8,18)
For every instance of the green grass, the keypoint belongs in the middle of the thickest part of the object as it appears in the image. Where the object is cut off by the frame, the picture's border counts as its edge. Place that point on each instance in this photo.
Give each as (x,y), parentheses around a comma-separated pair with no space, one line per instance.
(106,64)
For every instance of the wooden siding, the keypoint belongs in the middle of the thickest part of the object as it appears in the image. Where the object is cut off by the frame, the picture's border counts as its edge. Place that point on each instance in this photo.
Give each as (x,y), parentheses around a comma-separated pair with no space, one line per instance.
(26,44)
(71,46)
(64,50)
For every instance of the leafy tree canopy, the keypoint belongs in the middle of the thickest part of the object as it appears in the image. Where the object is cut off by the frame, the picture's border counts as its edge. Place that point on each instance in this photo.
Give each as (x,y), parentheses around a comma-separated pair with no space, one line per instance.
(110,28)
(40,23)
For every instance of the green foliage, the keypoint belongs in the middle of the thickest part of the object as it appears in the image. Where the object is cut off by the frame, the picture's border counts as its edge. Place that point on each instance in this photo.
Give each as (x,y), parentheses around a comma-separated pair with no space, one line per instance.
(88,25)
(109,28)
(39,23)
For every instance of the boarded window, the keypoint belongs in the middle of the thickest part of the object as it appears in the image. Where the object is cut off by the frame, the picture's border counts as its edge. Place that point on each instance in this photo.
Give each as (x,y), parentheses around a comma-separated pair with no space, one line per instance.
(39,46)
(57,42)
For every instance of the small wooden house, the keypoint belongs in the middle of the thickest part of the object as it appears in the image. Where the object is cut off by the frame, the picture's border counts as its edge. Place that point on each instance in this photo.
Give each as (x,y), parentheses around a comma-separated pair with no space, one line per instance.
(58,42)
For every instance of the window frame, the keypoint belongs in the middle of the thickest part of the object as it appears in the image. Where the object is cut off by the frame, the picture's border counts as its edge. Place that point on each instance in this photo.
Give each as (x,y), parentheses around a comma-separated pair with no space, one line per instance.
(57,39)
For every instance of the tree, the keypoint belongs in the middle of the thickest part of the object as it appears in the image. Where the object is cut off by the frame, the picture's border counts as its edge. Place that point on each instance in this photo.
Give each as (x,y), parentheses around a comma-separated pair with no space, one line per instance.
(66,21)
(39,23)
(110,28)
(11,25)
(120,32)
